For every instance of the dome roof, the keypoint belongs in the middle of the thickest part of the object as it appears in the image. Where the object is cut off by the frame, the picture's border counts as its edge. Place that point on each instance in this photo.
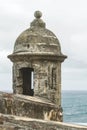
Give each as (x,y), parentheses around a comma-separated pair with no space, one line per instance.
(37,39)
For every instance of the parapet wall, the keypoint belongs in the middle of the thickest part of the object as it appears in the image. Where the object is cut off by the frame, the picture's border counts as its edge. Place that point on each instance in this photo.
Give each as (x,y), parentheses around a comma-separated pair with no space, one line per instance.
(19,112)
(8,122)
(28,106)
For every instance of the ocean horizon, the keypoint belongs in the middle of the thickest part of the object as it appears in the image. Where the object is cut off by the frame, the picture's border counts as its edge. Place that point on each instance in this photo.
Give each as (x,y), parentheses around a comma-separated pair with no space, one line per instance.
(74,103)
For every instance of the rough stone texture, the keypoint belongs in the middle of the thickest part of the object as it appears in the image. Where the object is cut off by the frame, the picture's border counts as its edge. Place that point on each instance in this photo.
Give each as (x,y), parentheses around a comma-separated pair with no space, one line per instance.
(38,48)
(8,122)
(28,106)
(47,82)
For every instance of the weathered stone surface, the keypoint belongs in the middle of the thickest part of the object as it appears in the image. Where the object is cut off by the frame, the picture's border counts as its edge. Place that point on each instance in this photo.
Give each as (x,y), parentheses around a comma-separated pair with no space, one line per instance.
(38,49)
(37,53)
(21,123)
(27,106)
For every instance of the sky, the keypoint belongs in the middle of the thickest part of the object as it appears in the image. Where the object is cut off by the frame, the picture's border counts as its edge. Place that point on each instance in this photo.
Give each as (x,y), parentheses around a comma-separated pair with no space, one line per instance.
(66,18)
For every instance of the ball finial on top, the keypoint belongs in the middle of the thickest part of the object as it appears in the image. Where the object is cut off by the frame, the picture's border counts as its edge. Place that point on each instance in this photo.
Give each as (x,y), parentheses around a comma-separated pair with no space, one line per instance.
(37,14)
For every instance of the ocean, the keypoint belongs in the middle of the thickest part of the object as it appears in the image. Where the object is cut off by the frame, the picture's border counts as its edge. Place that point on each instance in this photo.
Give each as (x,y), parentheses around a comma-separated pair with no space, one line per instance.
(74,105)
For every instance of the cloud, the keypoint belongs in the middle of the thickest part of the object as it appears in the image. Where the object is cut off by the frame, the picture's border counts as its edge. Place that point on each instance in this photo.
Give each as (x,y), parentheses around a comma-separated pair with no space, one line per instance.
(10,8)
(66,18)
(4,62)
(5,82)
(78,46)
(74,79)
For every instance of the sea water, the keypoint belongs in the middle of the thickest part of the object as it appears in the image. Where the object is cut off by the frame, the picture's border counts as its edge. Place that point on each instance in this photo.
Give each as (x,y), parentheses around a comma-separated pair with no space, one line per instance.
(74,105)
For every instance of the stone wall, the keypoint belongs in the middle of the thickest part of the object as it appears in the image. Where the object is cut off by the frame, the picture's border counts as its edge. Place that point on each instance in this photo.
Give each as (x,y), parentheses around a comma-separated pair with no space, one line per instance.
(46,82)
(8,122)
(28,106)
(19,112)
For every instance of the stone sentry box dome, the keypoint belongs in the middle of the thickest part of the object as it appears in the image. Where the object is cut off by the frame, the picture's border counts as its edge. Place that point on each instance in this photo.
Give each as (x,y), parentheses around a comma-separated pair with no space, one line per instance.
(37,61)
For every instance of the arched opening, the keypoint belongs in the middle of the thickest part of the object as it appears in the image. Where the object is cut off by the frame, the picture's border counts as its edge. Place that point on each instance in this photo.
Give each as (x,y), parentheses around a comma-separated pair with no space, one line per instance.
(27,75)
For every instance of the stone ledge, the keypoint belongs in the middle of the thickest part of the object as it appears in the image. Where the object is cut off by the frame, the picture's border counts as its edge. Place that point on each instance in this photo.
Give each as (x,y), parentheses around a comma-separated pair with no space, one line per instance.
(28,106)
(10,122)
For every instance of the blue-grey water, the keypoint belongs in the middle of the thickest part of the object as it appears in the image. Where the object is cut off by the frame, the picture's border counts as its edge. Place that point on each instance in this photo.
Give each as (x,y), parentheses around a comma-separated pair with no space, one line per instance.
(74,105)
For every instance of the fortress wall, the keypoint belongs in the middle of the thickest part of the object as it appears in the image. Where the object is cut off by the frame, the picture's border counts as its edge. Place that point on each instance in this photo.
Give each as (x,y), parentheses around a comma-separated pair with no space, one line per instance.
(28,106)
(8,122)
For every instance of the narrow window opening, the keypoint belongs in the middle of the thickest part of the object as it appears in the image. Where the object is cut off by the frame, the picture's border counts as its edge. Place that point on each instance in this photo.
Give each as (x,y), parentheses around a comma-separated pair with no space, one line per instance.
(28,46)
(53,78)
(27,77)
